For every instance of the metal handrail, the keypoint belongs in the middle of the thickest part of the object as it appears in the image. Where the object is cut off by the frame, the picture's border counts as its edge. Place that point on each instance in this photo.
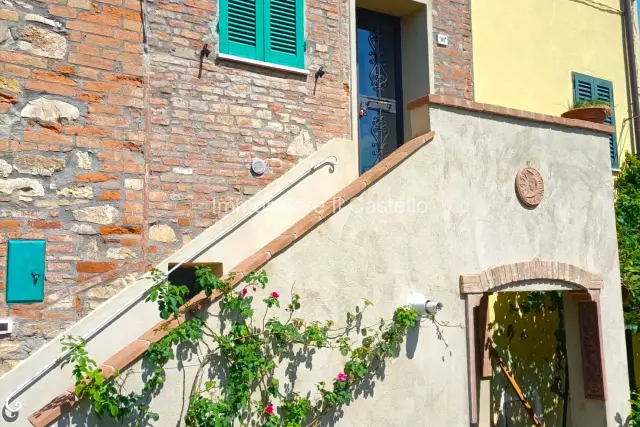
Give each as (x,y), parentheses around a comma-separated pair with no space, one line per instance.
(14,407)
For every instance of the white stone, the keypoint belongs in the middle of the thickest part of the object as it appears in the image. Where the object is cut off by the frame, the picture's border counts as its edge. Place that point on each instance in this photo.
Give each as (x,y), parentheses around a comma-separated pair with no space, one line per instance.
(26,187)
(24,5)
(85,229)
(162,233)
(76,192)
(52,204)
(6,124)
(41,19)
(5,34)
(133,184)
(5,168)
(84,160)
(183,171)
(49,110)
(96,214)
(35,164)
(275,126)
(302,146)
(120,253)
(92,249)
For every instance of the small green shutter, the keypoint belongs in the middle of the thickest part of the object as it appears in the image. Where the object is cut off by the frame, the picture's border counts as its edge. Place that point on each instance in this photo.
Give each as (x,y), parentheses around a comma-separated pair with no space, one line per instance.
(25,271)
(241,28)
(587,87)
(284,41)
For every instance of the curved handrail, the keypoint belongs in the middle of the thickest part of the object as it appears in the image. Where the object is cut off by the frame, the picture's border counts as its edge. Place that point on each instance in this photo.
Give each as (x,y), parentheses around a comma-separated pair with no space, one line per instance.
(13,408)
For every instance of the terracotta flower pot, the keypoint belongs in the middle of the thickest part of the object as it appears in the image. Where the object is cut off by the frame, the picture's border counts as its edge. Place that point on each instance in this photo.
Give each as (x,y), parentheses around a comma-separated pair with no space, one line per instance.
(590,114)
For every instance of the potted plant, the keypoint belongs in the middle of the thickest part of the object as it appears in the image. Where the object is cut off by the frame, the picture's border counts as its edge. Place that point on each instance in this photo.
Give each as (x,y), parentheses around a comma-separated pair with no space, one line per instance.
(591,110)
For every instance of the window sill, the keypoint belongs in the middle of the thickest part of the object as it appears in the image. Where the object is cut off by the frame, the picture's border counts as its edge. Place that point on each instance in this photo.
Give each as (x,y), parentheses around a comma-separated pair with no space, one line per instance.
(263,64)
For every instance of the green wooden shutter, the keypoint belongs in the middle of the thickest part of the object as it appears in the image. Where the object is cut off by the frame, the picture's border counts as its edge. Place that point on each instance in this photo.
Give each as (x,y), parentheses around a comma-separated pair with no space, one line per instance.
(241,28)
(587,87)
(284,32)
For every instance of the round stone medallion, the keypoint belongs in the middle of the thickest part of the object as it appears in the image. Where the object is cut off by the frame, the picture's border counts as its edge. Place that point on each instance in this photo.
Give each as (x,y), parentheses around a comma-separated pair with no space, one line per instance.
(529,186)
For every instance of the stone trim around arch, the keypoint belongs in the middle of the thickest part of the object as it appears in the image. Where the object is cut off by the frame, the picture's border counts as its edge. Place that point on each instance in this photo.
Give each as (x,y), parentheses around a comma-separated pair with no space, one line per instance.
(494,277)
(587,294)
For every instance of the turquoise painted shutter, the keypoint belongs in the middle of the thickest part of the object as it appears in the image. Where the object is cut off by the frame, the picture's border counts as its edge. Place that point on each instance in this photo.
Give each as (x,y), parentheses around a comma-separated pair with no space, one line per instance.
(241,28)
(284,32)
(585,88)
(25,271)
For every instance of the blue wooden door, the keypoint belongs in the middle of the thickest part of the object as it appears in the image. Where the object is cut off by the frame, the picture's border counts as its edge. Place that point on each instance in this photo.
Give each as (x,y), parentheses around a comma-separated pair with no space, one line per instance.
(379,88)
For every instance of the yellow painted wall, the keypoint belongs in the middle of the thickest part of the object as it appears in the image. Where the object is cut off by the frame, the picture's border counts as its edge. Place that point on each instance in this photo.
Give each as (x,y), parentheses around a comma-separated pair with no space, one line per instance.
(524,52)
(527,343)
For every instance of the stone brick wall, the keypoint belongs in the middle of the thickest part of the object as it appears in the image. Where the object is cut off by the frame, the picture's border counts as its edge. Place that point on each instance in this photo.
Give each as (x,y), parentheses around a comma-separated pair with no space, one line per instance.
(116,153)
(71,133)
(453,66)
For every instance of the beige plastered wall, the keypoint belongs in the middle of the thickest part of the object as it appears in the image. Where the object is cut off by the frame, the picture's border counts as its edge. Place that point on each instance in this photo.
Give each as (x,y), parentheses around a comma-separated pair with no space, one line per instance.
(466,218)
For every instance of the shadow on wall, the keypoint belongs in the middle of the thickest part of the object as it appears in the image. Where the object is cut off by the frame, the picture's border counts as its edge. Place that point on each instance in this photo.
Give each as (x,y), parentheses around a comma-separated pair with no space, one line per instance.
(528,333)
(214,367)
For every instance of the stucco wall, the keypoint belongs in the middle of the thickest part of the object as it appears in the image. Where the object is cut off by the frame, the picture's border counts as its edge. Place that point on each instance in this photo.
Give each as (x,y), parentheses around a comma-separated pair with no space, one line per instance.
(524,55)
(466,218)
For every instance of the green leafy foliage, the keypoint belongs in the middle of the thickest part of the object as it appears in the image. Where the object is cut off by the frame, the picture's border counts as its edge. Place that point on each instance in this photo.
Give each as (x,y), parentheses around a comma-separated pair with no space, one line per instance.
(627,205)
(251,353)
(105,395)
(168,297)
(634,419)
(584,103)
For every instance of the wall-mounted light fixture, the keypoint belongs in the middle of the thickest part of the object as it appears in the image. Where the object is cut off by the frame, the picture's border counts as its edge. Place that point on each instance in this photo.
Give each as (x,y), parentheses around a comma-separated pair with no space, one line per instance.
(258,166)
(424,306)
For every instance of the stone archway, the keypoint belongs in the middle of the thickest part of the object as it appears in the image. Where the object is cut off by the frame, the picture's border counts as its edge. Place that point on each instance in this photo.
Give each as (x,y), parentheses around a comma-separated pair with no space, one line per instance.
(583,287)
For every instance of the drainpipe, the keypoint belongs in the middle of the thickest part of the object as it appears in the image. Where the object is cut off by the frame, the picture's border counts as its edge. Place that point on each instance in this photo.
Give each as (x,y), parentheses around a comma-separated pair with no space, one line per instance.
(631,58)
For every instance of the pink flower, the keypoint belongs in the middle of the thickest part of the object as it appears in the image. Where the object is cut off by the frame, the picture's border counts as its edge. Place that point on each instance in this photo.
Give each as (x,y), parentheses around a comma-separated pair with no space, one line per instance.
(341,377)
(269,409)
(275,295)
(243,292)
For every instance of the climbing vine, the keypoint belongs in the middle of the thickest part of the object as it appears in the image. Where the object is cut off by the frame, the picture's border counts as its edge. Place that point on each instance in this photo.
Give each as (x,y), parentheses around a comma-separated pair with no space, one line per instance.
(246,353)
(627,205)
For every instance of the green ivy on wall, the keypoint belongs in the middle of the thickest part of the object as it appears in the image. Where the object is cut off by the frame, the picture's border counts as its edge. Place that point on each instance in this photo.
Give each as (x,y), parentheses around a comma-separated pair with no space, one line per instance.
(627,205)
(248,352)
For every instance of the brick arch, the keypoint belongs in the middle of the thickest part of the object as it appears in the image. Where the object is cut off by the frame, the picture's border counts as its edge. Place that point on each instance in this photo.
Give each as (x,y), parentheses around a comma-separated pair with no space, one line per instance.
(475,287)
(495,278)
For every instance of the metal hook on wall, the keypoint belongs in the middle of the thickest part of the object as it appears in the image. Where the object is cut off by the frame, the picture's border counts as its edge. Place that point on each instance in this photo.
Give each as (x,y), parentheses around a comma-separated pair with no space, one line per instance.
(204,52)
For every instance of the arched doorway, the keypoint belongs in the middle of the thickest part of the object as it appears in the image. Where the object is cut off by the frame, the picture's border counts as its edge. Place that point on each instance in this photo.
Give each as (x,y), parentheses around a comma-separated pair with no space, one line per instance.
(579,286)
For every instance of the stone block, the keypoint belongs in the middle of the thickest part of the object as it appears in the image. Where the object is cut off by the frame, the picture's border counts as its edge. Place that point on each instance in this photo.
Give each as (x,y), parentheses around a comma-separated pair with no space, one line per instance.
(162,233)
(25,187)
(35,164)
(49,110)
(41,42)
(96,214)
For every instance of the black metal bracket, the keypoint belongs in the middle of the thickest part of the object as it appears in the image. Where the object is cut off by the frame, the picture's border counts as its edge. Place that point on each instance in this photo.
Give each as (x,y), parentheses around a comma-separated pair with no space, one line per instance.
(204,52)
(318,74)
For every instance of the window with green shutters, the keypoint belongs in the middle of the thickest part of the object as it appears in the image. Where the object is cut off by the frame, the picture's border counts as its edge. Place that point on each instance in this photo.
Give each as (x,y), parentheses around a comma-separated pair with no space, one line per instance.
(587,87)
(263,30)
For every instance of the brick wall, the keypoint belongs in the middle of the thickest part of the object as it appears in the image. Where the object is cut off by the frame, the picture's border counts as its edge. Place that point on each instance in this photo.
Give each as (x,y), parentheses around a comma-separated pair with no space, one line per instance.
(205,131)
(118,156)
(453,67)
